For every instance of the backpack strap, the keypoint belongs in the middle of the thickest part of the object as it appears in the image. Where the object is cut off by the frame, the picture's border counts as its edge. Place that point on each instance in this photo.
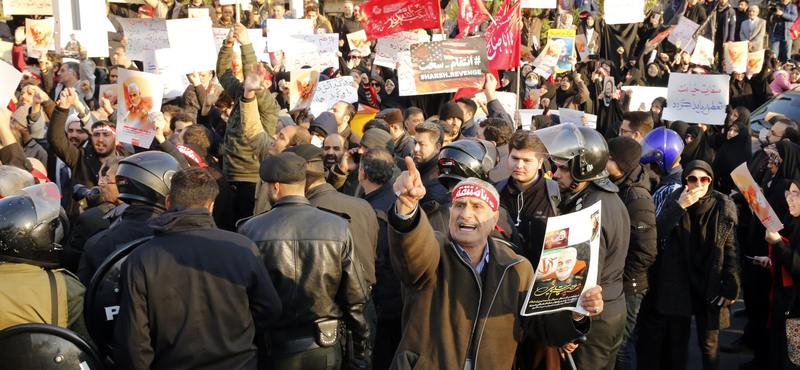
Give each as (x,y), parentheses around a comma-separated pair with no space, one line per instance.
(53,297)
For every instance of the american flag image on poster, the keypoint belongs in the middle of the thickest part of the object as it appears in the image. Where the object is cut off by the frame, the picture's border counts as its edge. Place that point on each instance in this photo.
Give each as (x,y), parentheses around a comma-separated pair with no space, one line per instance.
(449,64)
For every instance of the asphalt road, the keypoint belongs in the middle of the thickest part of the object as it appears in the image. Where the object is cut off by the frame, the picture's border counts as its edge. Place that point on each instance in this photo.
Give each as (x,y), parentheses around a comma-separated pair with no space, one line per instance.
(727,361)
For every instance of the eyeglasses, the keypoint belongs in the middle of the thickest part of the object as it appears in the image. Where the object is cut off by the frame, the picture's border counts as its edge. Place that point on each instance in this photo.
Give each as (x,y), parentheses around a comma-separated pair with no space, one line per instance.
(791,195)
(375,84)
(622,131)
(703,179)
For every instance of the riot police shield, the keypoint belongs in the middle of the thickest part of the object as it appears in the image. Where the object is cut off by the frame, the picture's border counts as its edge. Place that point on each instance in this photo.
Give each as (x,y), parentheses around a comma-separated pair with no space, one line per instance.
(46,347)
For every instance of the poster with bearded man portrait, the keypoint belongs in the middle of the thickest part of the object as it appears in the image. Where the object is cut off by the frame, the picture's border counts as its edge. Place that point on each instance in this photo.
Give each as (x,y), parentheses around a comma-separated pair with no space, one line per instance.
(138,97)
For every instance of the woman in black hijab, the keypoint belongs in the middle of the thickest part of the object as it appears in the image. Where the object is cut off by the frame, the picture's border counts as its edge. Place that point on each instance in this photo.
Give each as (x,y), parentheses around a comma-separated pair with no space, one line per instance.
(696,273)
(657,109)
(371,93)
(680,128)
(392,98)
(571,93)
(734,151)
(590,29)
(696,146)
(508,82)
(783,263)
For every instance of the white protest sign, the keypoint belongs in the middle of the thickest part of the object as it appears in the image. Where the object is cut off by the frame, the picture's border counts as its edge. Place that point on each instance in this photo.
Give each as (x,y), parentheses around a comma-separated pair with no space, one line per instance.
(302,55)
(27,7)
(140,95)
(325,46)
(643,96)
(405,77)
(11,78)
(736,57)
(755,62)
(89,34)
(541,4)
(39,36)
(703,52)
(526,116)
(192,44)
(329,92)
(259,43)
(697,98)
(317,108)
(160,62)
(220,34)
(144,34)
(5,50)
(547,59)
(681,35)
(624,11)
(286,27)
(387,48)
(507,99)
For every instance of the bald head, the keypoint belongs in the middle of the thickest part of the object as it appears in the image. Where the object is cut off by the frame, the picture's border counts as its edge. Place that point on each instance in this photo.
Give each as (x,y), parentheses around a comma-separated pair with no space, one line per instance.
(334,147)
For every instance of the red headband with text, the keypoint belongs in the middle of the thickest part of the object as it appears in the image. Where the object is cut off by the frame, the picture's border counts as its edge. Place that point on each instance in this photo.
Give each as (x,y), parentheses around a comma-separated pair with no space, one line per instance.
(105,128)
(475,191)
(191,154)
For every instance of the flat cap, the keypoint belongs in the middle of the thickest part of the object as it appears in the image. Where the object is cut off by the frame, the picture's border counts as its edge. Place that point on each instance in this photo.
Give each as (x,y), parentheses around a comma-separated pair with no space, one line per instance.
(285,168)
(309,152)
(392,116)
(377,138)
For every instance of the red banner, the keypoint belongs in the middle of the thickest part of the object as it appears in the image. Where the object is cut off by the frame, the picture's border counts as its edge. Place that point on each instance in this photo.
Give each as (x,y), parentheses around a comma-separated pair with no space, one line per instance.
(385,17)
(503,37)
(470,14)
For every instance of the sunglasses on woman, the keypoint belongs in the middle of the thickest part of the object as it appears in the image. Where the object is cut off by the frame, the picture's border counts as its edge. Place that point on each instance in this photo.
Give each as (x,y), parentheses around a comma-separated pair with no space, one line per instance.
(375,84)
(703,179)
(791,195)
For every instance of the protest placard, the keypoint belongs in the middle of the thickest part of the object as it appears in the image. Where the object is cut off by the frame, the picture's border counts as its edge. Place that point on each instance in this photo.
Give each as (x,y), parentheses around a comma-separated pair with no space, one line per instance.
(697,98)
(547,59)
(279,28)
(581,46)
(681,36)
(11,78)
(27,7)
(577,117)
(110,92)
(302,55)
(385,17)
(449,64)
(749,188)
(736,57)
(609,88)
(565,39)
(387,48)
(160,62)
(541,4)
(141,94)
(219,34)
(643,96)
(623,11)
(755,61)
(324,45)
(301,88)
(192,44)
(39,36)
(5,50)
(526,117)
(531,99)
(703,52)
(85,32)
(331,91)
(568,264)
(358,43)
(144,34)
(507,99)
(405,77)
(198,12)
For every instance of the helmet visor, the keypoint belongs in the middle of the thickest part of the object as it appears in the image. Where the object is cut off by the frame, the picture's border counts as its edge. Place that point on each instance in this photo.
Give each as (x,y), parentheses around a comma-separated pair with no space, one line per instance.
(46,200)
(561,141)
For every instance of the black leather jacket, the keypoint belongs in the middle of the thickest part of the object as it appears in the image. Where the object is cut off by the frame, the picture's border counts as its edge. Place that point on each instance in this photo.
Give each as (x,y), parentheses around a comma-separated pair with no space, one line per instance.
(309,256)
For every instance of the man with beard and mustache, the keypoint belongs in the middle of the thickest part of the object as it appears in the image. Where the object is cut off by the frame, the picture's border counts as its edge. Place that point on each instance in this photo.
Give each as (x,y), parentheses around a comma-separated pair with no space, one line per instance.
(428,142)
(333,146)
(84,161)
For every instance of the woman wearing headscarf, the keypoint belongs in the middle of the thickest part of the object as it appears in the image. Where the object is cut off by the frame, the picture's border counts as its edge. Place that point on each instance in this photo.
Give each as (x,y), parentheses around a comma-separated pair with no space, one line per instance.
(392,98)
(751,92)
(735,150)
(657,109)
(508,82)
(655,75)
(784,263)
(588,27)
(696,145)
(609,107)
(371,93)
(571,93)
(696,273)
(536,88)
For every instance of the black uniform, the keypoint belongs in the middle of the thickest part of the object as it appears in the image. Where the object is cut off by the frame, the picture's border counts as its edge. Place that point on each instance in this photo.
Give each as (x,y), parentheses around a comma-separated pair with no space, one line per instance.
(310,257)
(194,296)
(131,227)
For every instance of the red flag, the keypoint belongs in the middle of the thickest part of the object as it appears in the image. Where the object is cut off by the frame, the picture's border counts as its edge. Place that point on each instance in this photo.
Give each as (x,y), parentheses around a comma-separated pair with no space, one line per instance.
(503,37)
(385,17)
(471,91)
(470,14)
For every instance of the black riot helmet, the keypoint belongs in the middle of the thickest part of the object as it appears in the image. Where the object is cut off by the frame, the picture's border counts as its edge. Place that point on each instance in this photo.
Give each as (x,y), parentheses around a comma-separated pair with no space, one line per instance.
(146,177)
(584,148)
(466,158)
(46,347)
(32,224)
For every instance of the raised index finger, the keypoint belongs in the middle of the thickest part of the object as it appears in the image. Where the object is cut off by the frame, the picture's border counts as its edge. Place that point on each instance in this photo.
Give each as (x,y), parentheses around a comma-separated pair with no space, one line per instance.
(413,173)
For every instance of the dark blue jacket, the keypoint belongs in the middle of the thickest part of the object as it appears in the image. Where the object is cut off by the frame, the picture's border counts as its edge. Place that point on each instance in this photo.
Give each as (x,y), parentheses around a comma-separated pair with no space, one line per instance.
(781,24)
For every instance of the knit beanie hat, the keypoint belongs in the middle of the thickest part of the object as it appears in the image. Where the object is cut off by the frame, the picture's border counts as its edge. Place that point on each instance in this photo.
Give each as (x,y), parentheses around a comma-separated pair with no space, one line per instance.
(451,110)
(626,152)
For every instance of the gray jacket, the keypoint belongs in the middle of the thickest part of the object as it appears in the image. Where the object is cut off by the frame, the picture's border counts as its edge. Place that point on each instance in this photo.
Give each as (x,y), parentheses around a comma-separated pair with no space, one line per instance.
(754,31)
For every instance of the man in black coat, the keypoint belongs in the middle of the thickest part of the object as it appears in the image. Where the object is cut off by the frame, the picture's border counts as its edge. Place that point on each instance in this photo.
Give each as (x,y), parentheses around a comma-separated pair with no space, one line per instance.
(194,295)
(375,174)
(143,181)
(625,171)
(583,182)
(310,256)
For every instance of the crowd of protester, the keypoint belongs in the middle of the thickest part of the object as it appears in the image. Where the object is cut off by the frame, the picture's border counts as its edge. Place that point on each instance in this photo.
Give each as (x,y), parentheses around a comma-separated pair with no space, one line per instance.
(284,240)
